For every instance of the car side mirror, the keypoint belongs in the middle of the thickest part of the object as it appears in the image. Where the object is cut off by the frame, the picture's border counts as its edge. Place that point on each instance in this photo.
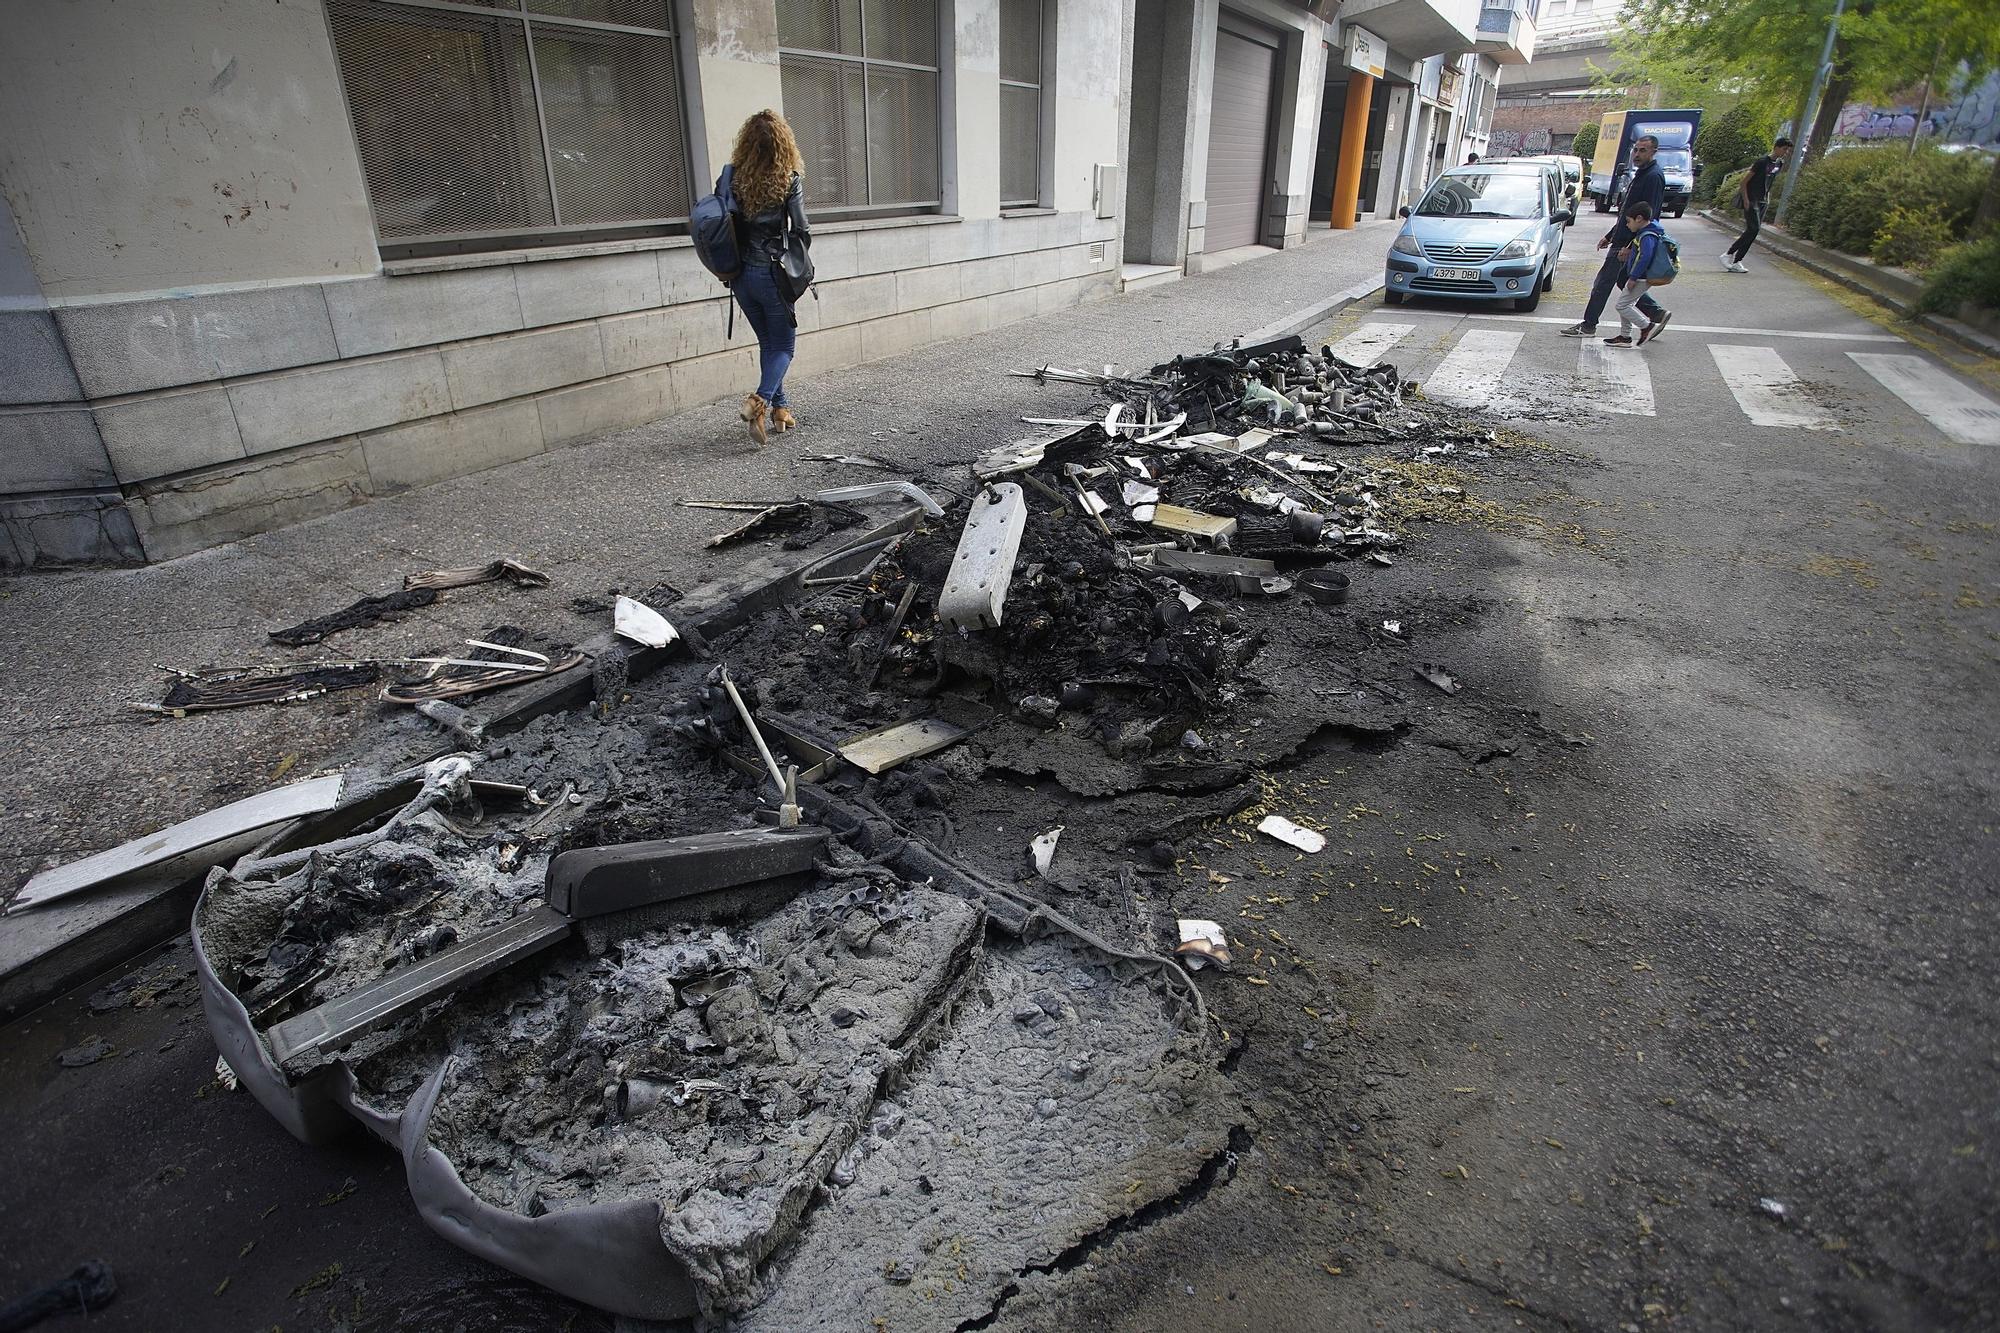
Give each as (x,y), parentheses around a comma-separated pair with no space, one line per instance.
(1404,211)
(1565,217)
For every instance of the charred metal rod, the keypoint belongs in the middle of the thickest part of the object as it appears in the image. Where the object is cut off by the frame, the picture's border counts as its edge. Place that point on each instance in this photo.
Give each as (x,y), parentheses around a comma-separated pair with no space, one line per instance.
(750,725)
(895,628)
(1082,498)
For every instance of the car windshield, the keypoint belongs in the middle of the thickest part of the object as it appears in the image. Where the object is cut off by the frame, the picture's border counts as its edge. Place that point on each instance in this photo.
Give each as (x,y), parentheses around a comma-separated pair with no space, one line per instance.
(1676,160)
(1478,194)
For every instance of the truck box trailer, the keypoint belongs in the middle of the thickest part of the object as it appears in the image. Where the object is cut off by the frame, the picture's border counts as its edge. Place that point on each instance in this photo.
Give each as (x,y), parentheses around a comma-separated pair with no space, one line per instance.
(1611,167)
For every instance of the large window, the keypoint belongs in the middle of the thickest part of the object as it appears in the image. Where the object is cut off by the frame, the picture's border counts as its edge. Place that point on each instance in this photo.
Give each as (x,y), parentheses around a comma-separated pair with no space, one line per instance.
(861,93)
(1021,81)
(484,119)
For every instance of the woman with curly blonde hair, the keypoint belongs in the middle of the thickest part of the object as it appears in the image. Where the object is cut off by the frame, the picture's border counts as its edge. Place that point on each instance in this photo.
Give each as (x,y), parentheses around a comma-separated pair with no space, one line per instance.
(770,200)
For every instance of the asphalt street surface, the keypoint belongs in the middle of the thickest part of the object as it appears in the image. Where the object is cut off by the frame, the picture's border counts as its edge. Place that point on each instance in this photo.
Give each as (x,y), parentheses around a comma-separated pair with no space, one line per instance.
(1654,989)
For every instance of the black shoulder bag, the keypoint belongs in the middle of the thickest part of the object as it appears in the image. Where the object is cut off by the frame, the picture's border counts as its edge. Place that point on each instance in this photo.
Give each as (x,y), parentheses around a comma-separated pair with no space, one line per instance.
(795,267)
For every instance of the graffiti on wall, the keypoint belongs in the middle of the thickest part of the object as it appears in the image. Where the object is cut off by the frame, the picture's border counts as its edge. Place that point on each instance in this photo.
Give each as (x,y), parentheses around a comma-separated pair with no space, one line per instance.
(1973,117)
(1520,143)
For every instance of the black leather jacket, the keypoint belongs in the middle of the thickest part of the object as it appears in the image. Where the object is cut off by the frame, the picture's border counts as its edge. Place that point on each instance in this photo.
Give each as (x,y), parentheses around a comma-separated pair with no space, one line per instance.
(764,231)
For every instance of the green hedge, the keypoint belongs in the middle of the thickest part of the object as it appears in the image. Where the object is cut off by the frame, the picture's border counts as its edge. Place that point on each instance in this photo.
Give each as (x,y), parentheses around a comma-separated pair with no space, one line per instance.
(1844,200)
(1969,271)
(1726,191)
(1911,238)
(1586,143)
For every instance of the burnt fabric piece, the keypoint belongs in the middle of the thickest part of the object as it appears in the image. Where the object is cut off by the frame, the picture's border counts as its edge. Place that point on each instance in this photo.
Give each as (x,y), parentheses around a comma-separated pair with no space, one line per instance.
(512,570)
(89,1286)
(288,687)
(367,611)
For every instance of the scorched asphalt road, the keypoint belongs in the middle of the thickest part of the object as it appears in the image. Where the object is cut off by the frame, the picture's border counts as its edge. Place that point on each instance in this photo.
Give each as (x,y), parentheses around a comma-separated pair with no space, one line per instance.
(1646,983)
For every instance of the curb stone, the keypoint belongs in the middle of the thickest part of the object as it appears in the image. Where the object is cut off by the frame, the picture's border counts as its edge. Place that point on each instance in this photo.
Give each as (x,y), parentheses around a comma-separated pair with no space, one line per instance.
(1300,320)
(1813,257)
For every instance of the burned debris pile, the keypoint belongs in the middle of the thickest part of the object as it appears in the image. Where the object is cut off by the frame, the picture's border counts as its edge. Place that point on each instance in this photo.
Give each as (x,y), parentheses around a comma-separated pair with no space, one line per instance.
(828,960)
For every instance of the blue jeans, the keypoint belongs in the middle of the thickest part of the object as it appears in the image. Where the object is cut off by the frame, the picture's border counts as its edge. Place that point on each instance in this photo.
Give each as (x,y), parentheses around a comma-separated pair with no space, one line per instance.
(777,330)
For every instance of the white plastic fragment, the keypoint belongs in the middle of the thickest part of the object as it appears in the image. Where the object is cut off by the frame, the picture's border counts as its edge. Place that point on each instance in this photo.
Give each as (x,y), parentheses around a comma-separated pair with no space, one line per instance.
(1285,831)
(1202,942)
(975,589)
(1143,513)
(1094,502)
(1139,493)
(1043,849)
(641,623)
(1773,1207)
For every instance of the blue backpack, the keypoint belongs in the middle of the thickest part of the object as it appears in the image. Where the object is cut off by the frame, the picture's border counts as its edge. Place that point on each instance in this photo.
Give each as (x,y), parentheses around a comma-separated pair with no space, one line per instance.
(712,225)
(1666,262)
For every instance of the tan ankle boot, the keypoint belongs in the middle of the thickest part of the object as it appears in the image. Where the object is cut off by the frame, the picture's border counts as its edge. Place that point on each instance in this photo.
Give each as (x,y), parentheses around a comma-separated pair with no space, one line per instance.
(756,411)
(783,420)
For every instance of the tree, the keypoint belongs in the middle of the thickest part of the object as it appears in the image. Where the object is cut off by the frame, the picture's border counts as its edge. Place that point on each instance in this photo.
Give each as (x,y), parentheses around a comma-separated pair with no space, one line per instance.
(1729,141)
(1765,51)
(1586,141)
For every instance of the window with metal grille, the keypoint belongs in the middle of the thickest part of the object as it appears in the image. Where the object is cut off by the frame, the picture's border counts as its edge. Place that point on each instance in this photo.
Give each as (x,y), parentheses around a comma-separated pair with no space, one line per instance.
(860,81)
(480,120)
(1021,48)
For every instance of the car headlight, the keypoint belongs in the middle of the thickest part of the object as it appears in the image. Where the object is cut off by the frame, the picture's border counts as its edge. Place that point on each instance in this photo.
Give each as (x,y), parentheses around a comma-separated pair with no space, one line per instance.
(1406,245)
(1520,248)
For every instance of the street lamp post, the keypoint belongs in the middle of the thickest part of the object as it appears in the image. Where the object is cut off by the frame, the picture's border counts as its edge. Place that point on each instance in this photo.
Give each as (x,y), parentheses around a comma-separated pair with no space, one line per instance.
(1804,132)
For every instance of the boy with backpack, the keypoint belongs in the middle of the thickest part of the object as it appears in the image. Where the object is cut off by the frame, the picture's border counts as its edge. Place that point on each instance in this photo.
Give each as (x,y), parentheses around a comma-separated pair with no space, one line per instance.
(1651,260)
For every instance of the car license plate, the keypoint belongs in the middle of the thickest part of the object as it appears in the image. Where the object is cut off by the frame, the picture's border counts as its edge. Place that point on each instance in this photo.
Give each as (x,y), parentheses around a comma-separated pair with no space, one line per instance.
(1456,274)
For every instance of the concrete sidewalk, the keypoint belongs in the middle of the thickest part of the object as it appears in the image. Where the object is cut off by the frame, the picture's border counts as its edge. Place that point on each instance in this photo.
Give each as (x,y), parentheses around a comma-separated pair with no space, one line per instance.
(80,771)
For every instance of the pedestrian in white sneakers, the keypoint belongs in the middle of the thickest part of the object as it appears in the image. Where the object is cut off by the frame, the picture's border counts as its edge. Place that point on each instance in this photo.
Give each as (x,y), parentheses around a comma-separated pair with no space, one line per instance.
(1750,197)
(1632,283)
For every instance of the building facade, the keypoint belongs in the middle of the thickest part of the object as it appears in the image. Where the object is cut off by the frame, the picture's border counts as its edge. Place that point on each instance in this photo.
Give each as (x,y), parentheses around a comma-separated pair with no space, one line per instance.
(1543,102)
(261,260)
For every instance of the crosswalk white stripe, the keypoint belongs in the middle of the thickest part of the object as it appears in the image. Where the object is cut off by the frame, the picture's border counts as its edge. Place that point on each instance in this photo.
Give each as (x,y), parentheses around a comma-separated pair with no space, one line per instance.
(1471,371)
(1723,330)
(1963,415)
(1766,389)
(1615,381)
(1364,346)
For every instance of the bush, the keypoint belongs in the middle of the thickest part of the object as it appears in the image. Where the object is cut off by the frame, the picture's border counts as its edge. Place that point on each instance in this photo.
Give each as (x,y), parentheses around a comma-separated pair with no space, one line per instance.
(1969,271)
(1911,238)
(1727,143)
(1844,199)
(1726,191)
(1586,142)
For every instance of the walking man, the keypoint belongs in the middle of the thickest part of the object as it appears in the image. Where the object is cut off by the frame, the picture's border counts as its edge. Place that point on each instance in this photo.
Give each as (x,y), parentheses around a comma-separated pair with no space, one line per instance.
(1648,187)
(1751,196)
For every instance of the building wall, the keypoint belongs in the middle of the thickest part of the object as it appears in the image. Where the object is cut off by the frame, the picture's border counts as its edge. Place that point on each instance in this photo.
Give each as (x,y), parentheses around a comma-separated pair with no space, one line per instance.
(198,379)
(154,145)
(1545,124)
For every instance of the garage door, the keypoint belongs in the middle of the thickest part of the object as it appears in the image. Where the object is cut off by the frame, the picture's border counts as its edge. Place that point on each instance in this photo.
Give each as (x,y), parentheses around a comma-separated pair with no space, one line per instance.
(1239,128)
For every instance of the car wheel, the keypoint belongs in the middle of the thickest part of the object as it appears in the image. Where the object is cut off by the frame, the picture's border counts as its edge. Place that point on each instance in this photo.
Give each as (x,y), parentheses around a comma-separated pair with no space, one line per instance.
(1526,303)
(1549,283)
(1603,205)
(1392,298)
(1678,212)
